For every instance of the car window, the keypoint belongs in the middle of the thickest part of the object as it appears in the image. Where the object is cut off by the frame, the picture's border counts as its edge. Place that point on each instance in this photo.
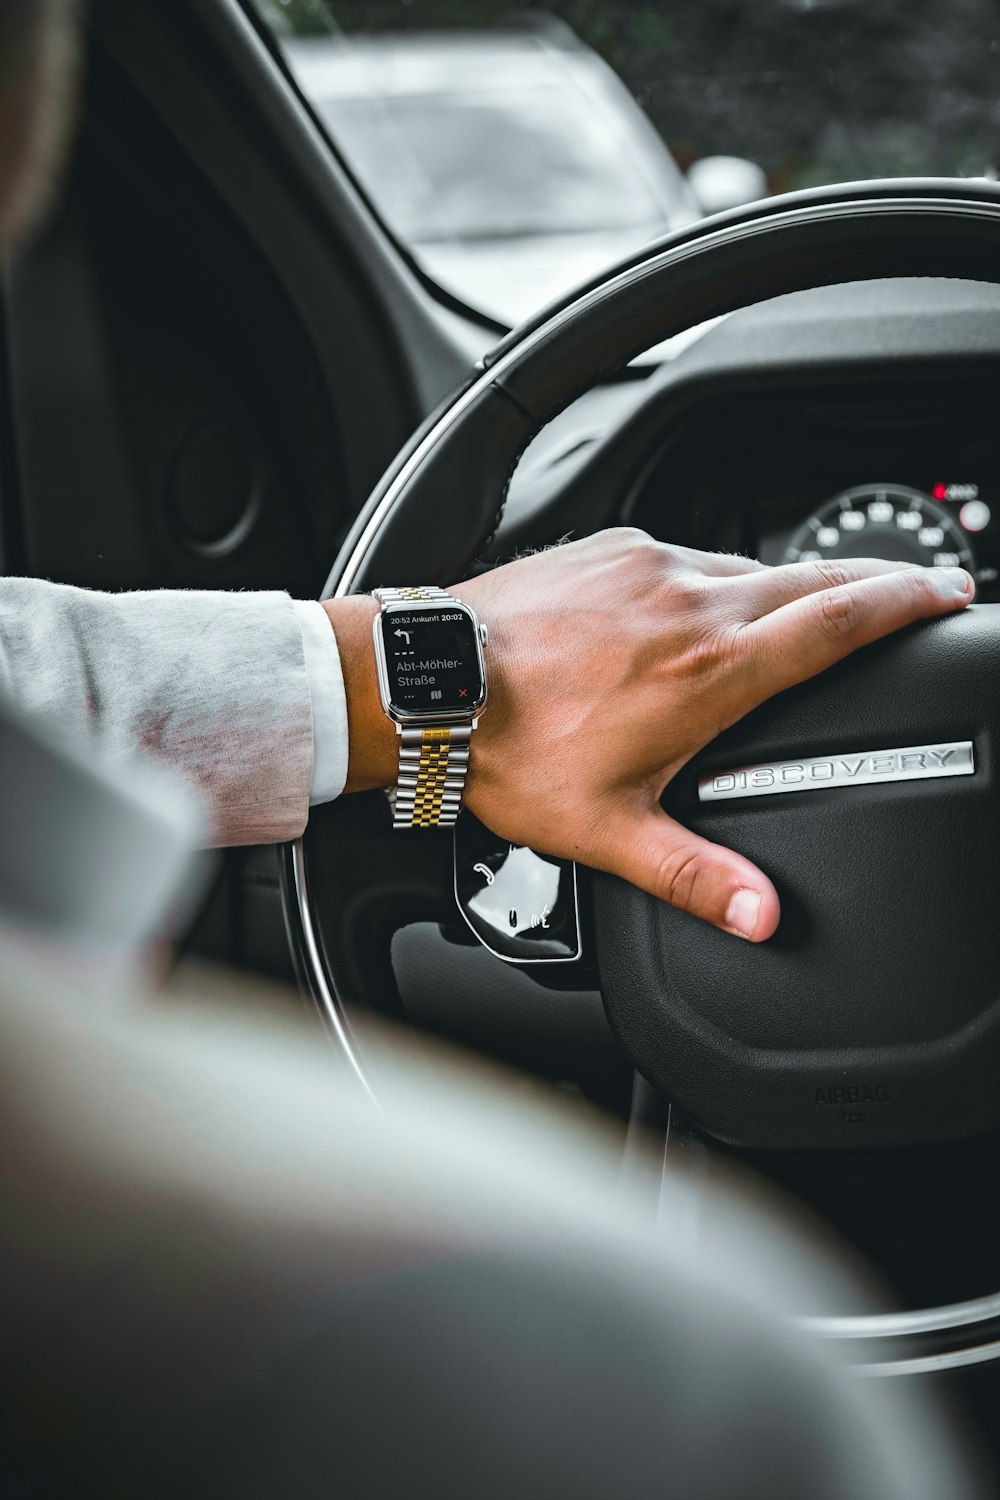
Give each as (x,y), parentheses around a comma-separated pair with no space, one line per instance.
(518,151)
(471,166)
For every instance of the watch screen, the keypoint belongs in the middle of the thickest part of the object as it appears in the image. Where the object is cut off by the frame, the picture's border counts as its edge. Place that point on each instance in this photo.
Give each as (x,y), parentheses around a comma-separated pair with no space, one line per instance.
(432,660)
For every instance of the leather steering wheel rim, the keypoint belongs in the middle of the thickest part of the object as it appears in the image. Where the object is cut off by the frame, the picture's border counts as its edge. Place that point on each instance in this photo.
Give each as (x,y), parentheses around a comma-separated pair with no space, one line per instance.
(469,448)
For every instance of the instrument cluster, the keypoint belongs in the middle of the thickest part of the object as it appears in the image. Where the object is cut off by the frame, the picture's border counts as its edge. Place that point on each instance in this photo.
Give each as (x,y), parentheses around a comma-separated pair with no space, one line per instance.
(906,469)
(942,524)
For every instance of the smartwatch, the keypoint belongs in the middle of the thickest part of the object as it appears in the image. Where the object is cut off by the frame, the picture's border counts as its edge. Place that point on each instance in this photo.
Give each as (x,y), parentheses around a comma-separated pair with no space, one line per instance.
(432,682)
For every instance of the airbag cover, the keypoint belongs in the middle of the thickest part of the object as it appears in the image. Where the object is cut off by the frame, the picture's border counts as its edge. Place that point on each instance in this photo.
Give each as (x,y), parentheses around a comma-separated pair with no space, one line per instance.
(871,1018)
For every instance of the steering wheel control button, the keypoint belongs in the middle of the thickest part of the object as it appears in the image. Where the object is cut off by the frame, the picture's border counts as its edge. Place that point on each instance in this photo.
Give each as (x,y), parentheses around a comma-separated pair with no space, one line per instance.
(854,768)
(522,906)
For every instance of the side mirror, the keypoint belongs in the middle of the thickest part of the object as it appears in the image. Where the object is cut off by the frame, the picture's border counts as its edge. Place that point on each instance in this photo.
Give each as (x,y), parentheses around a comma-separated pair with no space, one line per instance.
(721,182)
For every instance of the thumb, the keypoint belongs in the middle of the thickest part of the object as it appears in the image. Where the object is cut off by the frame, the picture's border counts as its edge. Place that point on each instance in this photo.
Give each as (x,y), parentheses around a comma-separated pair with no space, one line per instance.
(660,856)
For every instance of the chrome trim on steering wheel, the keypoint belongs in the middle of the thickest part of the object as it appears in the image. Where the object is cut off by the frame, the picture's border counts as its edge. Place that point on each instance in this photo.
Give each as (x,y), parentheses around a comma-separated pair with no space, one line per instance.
(896,1325)
(930,1364)
(326,999)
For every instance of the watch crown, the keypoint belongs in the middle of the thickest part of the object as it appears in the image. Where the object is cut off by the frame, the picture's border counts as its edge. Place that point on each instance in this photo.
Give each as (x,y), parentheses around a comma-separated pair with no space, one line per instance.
(484,634)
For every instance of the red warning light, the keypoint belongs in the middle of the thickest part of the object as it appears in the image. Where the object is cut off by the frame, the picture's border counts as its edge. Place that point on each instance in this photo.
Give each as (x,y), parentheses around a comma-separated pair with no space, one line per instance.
(940,492)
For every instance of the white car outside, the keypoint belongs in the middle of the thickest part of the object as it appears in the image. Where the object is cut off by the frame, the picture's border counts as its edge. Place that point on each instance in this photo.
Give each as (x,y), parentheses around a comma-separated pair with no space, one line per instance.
(513,164)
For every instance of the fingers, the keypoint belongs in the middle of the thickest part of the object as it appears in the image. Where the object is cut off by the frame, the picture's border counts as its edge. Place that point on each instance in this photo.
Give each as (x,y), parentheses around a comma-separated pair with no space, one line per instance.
(759,593)
(810,634)
(677,866)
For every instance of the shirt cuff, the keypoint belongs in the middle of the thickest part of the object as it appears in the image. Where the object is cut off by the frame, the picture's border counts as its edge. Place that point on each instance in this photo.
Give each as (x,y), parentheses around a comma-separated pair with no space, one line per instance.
(329,701)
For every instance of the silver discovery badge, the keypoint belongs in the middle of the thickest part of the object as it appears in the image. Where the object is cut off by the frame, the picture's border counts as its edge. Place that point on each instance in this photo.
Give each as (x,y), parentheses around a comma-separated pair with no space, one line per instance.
(859,768)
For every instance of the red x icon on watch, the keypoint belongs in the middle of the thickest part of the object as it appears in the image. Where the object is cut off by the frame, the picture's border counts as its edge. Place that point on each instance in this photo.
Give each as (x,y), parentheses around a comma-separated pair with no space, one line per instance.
(463,692)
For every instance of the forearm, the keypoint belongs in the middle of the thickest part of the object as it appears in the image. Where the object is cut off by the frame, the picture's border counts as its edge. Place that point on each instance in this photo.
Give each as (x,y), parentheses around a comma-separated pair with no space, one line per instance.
(373,746)
(212,684)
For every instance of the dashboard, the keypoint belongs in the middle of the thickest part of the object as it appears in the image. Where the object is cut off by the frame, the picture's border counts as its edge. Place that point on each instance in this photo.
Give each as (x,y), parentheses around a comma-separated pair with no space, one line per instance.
(850,421)
(909,471)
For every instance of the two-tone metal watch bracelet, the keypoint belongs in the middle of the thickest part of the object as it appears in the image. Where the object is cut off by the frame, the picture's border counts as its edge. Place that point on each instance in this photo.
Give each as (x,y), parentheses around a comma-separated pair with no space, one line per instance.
(433,758)
(433,765)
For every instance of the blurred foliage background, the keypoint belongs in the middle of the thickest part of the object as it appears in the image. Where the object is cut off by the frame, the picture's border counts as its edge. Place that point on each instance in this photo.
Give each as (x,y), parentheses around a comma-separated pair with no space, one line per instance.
(813,90)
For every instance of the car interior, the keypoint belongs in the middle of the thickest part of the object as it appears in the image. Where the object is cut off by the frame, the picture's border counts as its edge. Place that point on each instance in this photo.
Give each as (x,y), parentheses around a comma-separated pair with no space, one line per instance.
(219,368)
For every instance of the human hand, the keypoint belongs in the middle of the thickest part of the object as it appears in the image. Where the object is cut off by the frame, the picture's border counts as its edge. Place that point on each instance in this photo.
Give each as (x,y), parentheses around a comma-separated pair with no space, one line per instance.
(613,660)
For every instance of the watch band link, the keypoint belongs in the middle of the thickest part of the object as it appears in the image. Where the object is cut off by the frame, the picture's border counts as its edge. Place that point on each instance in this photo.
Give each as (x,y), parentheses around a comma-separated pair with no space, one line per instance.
(422,594)
(433,759)
(433,764)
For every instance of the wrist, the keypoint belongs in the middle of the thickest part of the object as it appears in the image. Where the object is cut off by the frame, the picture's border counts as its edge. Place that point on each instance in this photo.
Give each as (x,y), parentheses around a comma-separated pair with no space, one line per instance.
(373,746)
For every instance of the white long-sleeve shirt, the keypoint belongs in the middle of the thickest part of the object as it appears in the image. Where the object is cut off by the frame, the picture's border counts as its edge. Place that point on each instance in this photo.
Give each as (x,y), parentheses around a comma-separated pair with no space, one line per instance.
(329,702)
(241,693)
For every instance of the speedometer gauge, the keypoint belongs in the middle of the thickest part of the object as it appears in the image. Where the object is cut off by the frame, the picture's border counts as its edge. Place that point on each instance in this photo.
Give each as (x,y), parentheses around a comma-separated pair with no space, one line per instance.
(882,520)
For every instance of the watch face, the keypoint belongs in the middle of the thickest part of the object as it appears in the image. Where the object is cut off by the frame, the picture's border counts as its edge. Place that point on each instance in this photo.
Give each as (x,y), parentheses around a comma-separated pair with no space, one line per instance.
(433,661)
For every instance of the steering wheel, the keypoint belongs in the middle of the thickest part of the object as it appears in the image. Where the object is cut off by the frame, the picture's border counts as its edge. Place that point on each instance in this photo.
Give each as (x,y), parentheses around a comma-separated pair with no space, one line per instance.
(872,1018)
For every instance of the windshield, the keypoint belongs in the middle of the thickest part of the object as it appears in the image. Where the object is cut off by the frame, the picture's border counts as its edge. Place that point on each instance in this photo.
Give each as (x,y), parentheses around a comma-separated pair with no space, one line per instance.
(474,166)
(518,151)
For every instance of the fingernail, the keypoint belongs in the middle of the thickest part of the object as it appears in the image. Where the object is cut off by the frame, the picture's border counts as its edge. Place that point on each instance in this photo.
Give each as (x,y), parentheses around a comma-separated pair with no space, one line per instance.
(742,912)
(952,583)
